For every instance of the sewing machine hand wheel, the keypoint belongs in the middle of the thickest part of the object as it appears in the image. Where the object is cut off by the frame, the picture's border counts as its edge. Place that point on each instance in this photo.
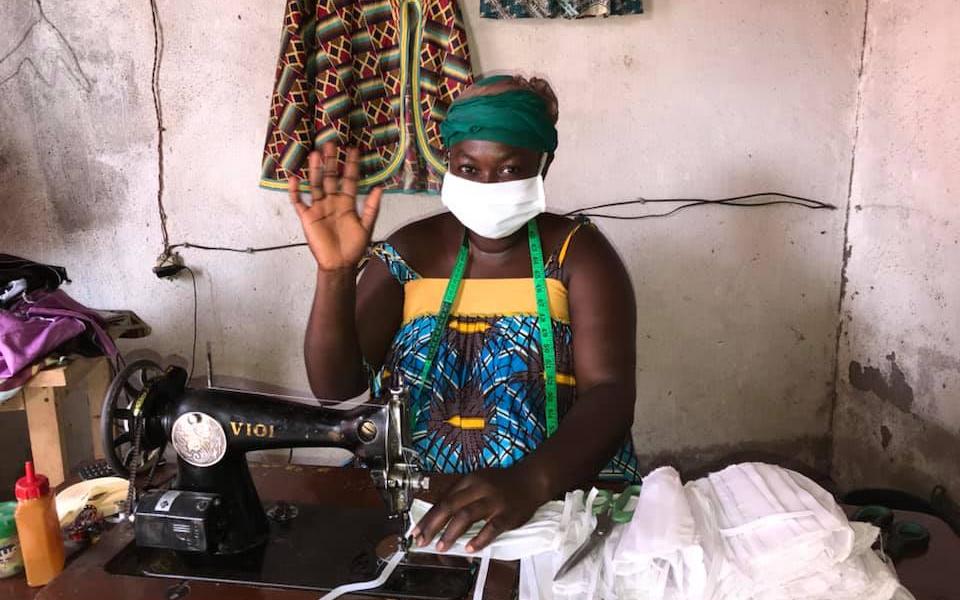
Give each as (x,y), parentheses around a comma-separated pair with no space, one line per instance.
(117,421)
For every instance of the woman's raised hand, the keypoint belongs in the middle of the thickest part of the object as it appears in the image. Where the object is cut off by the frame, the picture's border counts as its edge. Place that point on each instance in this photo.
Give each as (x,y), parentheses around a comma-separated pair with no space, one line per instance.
(337,234)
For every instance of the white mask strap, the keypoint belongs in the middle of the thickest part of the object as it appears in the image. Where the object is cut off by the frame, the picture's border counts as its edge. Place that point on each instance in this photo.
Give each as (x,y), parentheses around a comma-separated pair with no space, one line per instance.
(367,585)
(482,574)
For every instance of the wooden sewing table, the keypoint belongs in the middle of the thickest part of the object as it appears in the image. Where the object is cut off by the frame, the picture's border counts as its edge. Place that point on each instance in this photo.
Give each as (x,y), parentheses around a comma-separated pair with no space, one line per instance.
(85,577)
(932,576)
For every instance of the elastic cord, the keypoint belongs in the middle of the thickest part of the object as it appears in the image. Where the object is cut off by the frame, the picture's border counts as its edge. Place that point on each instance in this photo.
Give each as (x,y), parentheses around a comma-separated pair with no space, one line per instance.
(385,574)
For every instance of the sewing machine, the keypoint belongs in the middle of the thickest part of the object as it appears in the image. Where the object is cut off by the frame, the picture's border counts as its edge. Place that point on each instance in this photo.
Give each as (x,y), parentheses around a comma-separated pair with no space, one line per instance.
(210,523)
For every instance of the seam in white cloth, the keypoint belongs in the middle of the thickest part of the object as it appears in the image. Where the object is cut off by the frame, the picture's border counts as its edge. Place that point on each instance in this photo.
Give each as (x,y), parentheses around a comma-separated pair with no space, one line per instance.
(767,520)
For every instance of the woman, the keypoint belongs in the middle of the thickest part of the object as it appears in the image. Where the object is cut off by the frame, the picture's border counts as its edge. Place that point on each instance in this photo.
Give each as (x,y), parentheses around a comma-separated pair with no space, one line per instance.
(451,303)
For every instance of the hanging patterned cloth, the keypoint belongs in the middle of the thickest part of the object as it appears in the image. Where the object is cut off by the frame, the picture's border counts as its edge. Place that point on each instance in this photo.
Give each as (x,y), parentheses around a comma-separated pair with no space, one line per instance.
(550,9)
(376,74)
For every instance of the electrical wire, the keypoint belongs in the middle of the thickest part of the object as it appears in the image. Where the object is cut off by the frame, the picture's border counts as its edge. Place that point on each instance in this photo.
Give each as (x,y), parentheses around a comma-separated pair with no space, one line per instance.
(158,109)
(187,245)
(733,201)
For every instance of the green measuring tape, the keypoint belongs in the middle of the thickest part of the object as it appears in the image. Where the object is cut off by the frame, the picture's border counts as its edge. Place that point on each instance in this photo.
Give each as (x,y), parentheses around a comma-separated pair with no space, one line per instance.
(547,349)
(544,323)
(443,316)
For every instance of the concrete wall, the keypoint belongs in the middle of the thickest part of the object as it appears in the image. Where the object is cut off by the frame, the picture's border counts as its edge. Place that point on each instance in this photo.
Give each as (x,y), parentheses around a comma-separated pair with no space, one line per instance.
(898,410)
(737,308)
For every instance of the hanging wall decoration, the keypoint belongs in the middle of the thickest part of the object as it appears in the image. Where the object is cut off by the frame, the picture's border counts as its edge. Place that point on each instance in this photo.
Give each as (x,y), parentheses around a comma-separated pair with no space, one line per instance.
(376,74)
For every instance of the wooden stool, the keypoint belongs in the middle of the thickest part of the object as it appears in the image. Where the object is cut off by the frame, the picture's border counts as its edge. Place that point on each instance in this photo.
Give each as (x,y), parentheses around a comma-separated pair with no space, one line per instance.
(63,415)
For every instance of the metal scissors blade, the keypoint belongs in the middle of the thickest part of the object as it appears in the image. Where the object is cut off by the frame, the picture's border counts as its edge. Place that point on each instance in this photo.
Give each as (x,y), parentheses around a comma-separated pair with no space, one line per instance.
(602,529)
(578,555)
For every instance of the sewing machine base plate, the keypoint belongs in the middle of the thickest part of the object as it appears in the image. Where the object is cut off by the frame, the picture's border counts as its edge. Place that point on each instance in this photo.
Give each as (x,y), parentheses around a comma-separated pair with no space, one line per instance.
(321,548)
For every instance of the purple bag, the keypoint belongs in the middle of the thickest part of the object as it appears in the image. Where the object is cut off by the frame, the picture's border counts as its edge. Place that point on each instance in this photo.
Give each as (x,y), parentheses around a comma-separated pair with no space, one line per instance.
(38,325)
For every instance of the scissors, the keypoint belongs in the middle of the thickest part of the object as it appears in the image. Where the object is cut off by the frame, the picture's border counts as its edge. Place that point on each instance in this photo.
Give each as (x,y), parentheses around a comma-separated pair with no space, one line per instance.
(899,539)
(609,510)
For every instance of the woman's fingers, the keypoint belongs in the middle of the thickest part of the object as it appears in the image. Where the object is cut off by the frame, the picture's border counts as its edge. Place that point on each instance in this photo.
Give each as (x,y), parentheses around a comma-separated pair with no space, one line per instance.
(425,524)
(325,184)
(490,531)
(437,517)
(461,522)
(432,522)
(293,187)
(371,207)
(315,162)
(351,173)
(330,168)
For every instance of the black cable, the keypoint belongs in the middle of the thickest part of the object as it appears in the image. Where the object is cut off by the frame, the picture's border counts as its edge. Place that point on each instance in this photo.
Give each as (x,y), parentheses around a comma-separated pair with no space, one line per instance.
(193,355)
(734,201)
(158,109)
(240,250)
(690,205)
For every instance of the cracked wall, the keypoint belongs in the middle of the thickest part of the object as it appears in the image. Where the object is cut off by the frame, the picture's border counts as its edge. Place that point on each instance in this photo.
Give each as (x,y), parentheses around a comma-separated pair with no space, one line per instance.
(897,419)
(737,308)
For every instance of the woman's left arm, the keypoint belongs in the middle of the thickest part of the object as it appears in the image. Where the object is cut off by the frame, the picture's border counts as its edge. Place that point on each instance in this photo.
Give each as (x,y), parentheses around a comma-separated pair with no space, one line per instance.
(603,319)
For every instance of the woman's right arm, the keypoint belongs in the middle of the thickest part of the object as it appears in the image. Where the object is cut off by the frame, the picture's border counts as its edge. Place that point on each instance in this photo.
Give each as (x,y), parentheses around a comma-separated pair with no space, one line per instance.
(345,325)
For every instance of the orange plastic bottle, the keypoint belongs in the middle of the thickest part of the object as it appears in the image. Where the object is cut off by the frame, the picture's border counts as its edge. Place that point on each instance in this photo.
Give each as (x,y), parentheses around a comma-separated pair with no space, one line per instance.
(39,529)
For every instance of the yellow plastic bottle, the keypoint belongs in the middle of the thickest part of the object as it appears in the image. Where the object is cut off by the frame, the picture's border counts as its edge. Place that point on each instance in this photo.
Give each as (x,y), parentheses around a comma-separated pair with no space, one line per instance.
(41,543)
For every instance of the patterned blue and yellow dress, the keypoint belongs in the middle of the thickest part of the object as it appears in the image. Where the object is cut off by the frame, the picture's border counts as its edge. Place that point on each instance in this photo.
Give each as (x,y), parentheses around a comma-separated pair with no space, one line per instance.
(484,403)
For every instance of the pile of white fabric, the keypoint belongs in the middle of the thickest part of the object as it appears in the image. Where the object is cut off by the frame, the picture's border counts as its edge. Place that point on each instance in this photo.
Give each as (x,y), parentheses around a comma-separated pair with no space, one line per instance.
(659,554)
(752,531)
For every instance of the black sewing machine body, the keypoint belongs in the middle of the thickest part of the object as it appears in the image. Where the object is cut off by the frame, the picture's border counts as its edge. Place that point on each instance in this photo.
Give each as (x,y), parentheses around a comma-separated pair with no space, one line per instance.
(210,525)
(211,431)
(213,506)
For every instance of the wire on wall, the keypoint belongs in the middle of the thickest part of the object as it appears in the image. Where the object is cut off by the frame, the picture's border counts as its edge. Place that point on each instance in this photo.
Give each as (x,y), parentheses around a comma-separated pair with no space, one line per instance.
(158,109)
(745,201)
(167,265)
(187,245)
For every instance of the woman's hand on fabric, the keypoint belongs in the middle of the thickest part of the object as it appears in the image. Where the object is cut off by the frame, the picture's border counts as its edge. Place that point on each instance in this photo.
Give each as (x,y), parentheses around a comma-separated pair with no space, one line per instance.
(504,498)
(337,234)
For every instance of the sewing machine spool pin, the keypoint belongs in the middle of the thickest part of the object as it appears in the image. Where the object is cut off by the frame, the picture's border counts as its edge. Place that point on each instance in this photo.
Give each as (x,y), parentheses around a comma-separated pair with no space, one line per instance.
(209,365)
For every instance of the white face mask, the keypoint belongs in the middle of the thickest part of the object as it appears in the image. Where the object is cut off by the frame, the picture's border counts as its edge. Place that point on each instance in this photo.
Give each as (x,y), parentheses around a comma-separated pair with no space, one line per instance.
(493,210)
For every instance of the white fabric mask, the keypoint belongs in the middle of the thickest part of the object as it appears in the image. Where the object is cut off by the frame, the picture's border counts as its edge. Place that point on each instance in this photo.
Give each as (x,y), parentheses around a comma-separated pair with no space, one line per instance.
(764,527)
(659,552)
(493,210)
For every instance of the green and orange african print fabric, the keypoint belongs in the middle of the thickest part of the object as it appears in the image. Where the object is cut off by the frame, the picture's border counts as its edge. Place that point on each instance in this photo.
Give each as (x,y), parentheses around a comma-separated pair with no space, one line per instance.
(376,74)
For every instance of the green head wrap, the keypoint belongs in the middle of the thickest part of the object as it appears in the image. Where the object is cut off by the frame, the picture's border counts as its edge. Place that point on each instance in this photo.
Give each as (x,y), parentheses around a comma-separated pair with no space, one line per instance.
(516,117)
